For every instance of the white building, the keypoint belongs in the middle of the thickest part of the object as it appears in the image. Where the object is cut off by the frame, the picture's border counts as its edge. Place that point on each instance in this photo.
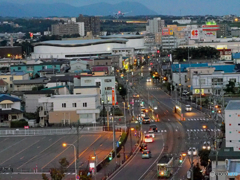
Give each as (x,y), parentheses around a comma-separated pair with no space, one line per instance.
(68,109)
(232,124)
(155,25)
(182,21)
(81,28)
(169,42)
(76,48)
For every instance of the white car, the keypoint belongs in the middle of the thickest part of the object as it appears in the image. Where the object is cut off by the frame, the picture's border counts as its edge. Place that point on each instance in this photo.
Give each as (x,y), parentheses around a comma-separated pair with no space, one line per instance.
(206,145)
(192,151)
(143,114)
(188,108)
(149,79)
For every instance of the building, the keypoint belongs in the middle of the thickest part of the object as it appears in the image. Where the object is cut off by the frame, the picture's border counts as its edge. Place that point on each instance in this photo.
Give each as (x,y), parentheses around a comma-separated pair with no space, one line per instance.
(232,114)
(3,86)
(76,48)
(33,69)
(156,25)
(236,58)
(224,31)
(13,52)
(10,77)
(86,90)
(225,54)
(169,43)
(69,109)
(207,81)
(81,28)
(103,61)
(29,85)
(91,24)
(65,29)
(235,32)
(10,109)
(59,90)
(149,39)
(182,21)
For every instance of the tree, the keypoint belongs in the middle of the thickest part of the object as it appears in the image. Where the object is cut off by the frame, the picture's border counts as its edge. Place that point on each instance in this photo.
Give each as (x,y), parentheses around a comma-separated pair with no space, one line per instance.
(197,174)
(230,87)
(44,177)
(59,173)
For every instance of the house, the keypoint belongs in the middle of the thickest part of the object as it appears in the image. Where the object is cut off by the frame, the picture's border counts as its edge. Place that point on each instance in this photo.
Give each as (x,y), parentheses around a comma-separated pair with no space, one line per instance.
(225,54)
(28,85)
(65,80)
(69,109)
(80,65)
(104,61)
(3,86)
(236,58)
(101,70)
(10,109)
(87,90)
(14,76)
(106,83)
(59,90)
(34,69)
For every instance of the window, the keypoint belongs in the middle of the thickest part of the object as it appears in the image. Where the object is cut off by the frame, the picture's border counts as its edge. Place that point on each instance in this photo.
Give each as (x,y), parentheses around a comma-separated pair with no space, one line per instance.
(88,81)
(107,80)
(202,81)
(14,117)
(98,83)
(84,104)
(11,85)
(108,88)
(232,79)
(106,63)
(19,68)
(63,105)
(6,106)
(74,104)
(86,115)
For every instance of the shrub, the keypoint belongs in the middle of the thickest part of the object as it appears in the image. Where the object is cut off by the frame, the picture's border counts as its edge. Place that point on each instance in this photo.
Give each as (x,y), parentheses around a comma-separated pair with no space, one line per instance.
(19,124)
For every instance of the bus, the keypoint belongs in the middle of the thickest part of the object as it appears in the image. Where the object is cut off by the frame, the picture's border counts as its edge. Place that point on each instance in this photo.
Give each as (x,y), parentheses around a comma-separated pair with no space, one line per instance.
(165,167)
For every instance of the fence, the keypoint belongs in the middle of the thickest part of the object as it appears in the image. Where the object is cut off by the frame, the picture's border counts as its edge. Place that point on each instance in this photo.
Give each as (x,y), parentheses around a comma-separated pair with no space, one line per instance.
(35,132)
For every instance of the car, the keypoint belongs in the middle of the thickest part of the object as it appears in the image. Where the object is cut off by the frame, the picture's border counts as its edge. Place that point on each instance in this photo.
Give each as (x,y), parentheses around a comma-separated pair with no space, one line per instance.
(206,145)
(143,147)
(148,138)
(185,93)
(143,114)
(188,108)
(153,128)
(146,154)
(192,151)
(149,79)
(143,108)
(151,133)
(136,95)
(146,120)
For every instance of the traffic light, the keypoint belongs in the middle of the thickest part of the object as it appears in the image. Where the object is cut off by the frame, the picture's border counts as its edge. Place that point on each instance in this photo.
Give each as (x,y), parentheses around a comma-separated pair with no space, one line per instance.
(158,51)
(168,55)
(181,159)
(216,106)
(121,75)
(165,78)
(110,156)
(219,111)
(213,111)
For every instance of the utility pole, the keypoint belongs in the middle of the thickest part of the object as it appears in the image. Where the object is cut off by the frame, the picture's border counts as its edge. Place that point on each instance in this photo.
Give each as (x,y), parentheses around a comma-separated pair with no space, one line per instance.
(216,148)
(107,111)
(180,81)
(114,141)
(191,138)
(77,160)
(200,84)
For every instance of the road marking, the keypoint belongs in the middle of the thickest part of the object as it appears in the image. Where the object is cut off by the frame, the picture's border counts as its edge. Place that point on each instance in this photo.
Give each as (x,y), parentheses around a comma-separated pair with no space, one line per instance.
(12,145)
(40,152)
(19,152)
(60,153)
(85,150)
(22,157)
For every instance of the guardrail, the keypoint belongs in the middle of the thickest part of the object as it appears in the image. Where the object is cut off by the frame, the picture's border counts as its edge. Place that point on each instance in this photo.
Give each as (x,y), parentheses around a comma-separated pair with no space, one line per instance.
(37,132)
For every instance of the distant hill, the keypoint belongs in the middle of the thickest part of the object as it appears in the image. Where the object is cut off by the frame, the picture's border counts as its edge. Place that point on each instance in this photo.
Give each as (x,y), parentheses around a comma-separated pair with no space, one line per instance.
(61,9)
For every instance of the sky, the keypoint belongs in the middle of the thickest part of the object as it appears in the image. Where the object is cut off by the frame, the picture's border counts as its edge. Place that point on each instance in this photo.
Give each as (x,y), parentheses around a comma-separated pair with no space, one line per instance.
(167,7)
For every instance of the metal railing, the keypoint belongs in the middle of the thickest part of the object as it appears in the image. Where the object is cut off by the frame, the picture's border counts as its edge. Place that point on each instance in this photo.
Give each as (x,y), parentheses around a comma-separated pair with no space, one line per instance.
(36,132)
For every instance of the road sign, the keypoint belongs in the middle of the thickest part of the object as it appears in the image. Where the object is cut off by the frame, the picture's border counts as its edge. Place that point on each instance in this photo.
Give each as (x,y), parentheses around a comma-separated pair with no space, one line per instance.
(113,96)
(117,144)
(26,127)
(77,177)
(189,174)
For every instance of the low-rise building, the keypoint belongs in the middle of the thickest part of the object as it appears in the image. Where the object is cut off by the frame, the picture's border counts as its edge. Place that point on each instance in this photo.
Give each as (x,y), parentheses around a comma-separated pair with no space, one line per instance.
(55,81)
(28,85)
(104,61)
(10,109)
(236,58)
(69,109)
(3,86)
(59,90)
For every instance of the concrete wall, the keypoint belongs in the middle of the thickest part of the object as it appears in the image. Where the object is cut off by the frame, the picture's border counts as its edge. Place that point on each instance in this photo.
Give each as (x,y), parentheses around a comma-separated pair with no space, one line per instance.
(59,116)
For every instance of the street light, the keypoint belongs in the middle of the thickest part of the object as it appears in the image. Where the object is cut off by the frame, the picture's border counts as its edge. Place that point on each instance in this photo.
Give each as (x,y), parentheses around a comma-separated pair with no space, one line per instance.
(75,156)
(204,127)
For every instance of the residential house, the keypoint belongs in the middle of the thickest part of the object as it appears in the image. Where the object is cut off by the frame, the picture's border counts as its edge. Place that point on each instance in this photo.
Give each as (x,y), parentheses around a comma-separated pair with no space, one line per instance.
(104,61)
(34,69)
(65,80)
(10,109)
(87,90)
(225,54)
(101,70)
(3,86)
(69,109)
(106,83)
(236,58)
(80,65)
(14,76)
(207,80)
(59,90)
(28,85)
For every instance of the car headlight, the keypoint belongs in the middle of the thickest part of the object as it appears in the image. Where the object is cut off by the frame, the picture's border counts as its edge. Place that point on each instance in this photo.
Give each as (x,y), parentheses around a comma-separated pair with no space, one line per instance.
(194,153)
(204,147)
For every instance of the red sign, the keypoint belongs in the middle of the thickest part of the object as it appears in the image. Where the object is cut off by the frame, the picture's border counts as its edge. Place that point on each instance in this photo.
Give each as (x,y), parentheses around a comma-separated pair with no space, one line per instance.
(195,34)
(113,96)
(165,31)
(26,127)
(31,35)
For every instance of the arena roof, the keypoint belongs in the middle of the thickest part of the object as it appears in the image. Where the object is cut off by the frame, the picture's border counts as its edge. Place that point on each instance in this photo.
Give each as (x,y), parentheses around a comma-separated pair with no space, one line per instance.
(124,36)
(75,43)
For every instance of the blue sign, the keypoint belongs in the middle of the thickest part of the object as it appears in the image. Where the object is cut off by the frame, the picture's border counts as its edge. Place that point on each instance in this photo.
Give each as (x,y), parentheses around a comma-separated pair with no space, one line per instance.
(77,177)
(117,144)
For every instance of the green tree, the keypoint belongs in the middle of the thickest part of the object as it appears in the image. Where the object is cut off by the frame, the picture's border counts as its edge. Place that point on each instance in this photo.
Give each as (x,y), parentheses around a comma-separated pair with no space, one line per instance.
(230,87)
(197,174)
(44,177)
(59,173)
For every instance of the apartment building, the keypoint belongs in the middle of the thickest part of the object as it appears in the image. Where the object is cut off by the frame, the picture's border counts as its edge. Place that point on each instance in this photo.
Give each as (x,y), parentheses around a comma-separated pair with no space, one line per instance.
(91,24)
(65,29)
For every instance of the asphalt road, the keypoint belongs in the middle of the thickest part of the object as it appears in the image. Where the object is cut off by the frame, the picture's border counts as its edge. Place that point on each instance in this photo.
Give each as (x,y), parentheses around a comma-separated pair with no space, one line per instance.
(24,154)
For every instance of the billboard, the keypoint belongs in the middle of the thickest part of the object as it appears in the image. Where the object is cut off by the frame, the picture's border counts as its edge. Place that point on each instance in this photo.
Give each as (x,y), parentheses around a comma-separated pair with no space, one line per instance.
(165,31)
(170,31)
(113,96)
(194,34)
(210,34)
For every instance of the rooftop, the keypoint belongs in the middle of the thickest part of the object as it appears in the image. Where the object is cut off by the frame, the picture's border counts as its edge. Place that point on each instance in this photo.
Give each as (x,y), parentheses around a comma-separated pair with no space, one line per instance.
(31,81)
(41,64)
(233,105)
(61,79)
(39,92)
(55,87)
(74,43)
(3,83)
(124,36)
(8,97)
(86,87)
(75,96)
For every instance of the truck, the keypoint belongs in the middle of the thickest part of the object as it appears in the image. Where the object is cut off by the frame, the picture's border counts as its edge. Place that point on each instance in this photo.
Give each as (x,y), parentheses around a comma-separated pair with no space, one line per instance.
(165,167)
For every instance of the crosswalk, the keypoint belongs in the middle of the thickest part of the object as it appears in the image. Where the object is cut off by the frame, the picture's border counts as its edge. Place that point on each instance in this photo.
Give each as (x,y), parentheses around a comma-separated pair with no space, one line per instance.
(198,119)
(154,88)
(203,130)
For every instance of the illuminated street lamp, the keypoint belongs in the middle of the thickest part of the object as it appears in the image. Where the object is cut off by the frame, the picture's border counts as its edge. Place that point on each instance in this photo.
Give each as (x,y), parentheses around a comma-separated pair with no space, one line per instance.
(204,127)
(132,129)
(75,156)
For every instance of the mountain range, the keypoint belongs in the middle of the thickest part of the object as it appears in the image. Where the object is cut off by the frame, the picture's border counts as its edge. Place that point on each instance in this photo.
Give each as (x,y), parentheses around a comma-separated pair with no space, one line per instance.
(61,9)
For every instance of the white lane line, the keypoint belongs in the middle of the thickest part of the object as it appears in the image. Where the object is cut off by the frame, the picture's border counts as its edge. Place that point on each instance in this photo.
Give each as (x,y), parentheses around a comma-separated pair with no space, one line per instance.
(11,145)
